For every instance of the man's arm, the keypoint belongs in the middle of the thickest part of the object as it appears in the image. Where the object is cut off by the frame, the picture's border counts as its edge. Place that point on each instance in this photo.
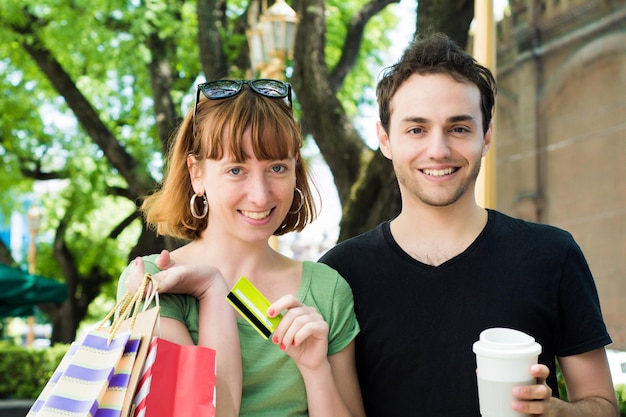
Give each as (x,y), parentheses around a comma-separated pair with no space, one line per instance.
(589,388)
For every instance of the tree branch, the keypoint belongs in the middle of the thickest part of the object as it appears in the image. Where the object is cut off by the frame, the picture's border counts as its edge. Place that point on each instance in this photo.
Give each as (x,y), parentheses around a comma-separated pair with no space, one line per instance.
(354,38)
(211,15)
(322,112)
(138,180)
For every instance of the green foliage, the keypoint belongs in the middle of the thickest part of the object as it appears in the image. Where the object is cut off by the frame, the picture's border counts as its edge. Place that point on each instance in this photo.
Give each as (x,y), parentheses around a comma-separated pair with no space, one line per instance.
(561,382)
(375,41)
(103,46)
(25,372)
(100,45)
(620,390)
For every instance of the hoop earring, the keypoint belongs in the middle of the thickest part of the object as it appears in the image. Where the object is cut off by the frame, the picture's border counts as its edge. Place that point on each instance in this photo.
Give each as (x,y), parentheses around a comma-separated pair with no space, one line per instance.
(297,211)
(192,206)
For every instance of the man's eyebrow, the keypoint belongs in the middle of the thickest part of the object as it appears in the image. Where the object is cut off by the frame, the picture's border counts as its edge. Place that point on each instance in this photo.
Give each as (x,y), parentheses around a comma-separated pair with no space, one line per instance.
(461,118)
(453,119)
(415,119)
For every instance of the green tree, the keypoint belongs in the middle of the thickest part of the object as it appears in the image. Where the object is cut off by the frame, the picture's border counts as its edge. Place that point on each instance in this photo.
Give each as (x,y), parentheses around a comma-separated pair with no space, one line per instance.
(92,91)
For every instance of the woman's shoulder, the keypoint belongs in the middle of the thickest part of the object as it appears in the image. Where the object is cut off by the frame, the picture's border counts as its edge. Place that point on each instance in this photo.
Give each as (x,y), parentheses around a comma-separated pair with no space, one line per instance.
(321,270)
(321,277)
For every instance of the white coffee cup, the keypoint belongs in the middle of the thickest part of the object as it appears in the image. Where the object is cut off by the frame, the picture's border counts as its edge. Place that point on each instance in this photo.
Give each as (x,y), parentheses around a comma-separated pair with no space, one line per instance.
(503,358)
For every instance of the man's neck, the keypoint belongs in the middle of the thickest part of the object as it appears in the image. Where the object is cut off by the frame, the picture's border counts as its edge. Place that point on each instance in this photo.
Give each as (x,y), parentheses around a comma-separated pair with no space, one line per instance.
(434,235)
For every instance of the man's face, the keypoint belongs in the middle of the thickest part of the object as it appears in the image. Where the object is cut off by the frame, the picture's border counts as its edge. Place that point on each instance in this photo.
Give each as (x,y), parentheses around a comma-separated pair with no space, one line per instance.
(435,139)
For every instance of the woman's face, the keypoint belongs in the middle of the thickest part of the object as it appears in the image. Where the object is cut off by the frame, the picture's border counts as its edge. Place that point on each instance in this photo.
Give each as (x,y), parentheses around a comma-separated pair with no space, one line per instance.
(247,200)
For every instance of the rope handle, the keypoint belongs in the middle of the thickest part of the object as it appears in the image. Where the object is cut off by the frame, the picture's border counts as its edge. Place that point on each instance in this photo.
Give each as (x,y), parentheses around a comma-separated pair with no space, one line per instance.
(129,305)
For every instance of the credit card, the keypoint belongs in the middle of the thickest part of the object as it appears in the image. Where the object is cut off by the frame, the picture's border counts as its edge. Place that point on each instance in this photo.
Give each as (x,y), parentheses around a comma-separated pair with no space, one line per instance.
(252,305)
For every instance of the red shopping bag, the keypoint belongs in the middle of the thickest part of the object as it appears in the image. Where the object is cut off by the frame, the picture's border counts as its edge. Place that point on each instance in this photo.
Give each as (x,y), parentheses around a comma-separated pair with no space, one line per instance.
(176,381)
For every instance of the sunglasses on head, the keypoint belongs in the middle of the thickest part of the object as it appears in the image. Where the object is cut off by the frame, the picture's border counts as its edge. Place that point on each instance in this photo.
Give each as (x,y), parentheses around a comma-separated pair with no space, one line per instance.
(220,89)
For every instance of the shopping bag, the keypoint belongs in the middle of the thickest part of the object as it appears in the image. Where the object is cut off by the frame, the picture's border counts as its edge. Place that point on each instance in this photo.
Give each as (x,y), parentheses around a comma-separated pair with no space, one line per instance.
(176,381)
(94,376)
(117,399)
(80,381)
(113,399)
(143,329)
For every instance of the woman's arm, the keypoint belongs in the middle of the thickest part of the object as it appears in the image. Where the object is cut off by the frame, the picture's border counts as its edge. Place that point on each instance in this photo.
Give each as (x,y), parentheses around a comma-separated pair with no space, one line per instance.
(218,330)
(331,382)
(217,326)
(338,391)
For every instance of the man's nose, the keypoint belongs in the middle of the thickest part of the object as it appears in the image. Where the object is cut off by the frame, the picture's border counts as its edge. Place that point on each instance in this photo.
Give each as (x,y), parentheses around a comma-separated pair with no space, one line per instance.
(438,145)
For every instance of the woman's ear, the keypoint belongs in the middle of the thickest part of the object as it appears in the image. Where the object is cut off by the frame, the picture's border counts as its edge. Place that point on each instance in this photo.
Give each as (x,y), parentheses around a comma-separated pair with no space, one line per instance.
(195,174)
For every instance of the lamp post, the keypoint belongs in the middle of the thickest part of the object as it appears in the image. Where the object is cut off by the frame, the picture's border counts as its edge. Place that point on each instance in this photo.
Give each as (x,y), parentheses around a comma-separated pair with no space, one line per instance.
(271,38)
(485,53)
(33,218)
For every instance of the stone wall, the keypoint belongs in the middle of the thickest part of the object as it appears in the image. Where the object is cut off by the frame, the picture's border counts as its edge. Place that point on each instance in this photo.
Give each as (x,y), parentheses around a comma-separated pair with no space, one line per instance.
(561,131)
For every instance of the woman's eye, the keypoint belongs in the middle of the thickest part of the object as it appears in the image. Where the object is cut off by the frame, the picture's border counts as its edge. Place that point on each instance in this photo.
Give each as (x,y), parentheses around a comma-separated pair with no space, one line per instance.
(235,171)
(278,168)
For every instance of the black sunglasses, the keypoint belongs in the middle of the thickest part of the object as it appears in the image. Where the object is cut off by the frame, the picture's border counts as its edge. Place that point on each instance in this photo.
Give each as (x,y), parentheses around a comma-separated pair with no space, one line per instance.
(216,90)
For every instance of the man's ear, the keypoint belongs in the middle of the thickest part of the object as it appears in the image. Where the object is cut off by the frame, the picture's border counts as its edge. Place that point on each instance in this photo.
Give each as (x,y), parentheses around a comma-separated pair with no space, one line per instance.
(195,174)
(383,140)
(487,139)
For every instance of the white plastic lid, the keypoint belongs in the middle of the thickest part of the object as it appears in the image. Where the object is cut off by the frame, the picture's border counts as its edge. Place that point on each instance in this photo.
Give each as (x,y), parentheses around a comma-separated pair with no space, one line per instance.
(501,342)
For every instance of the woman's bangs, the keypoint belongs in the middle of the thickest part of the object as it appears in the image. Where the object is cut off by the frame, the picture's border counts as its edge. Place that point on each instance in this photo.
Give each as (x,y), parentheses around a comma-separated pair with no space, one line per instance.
(272,140)
(212,123)
(273,131)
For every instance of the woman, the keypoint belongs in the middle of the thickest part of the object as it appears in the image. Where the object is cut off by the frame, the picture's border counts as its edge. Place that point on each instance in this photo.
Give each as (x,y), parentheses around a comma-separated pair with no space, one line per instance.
(235,178)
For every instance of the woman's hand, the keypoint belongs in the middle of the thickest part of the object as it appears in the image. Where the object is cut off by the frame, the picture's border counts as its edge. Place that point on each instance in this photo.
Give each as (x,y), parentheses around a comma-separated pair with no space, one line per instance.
(302,333)
(195,280)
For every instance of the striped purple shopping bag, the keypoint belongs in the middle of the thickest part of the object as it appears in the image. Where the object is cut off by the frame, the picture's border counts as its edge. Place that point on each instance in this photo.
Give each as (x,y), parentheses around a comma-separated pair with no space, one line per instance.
(81,380)
(98,374)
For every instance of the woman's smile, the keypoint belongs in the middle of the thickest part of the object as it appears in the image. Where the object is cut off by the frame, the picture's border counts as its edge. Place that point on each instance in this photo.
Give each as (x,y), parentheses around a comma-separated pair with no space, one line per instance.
(256,215)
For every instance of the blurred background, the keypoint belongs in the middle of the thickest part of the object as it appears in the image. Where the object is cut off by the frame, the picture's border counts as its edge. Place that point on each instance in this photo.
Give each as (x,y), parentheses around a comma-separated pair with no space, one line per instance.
(92,91)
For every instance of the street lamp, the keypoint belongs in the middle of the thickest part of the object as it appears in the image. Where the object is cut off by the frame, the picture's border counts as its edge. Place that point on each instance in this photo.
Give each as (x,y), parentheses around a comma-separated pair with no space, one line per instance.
(33,218)
(271,38)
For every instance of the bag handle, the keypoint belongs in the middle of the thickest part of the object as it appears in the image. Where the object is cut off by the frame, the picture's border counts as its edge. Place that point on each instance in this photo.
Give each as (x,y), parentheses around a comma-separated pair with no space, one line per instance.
(129,305)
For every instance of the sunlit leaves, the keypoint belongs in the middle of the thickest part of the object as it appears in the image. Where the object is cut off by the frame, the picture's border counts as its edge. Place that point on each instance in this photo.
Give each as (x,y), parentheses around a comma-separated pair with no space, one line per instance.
(338,15)
(105,47)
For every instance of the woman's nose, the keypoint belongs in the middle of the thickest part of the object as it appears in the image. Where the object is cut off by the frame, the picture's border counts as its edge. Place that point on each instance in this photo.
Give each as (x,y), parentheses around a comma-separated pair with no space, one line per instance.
(259,190)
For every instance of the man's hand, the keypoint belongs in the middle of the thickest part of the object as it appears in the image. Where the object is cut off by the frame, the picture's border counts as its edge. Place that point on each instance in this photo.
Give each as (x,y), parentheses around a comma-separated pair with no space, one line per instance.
(534,399)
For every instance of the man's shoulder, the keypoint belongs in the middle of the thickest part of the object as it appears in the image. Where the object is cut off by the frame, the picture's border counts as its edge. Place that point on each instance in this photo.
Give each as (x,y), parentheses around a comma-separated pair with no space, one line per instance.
(355,255)
(364,241)
(525,228)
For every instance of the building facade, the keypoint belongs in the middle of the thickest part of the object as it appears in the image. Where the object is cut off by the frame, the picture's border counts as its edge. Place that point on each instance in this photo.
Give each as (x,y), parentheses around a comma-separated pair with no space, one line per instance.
(560,131)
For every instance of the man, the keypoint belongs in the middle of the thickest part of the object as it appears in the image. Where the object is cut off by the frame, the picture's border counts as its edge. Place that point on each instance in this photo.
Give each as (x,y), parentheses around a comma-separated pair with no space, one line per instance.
(429,281)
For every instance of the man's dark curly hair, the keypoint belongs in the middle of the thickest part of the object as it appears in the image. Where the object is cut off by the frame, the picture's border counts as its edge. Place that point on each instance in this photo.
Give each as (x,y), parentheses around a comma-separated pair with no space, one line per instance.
(436,54)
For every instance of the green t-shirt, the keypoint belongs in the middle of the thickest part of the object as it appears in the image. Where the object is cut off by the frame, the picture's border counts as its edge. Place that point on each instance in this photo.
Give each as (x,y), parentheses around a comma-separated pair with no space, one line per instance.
(272,384)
